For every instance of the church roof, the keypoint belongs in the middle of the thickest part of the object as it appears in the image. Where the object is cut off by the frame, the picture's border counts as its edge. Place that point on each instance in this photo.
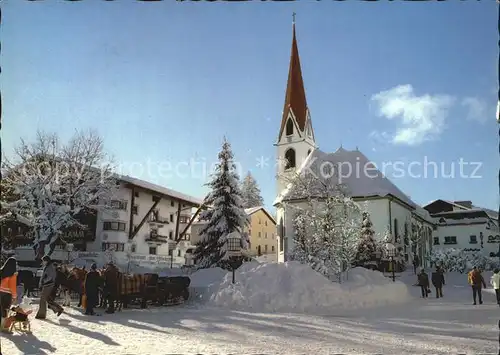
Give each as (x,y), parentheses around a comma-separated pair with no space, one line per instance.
(295,97)
(369,182)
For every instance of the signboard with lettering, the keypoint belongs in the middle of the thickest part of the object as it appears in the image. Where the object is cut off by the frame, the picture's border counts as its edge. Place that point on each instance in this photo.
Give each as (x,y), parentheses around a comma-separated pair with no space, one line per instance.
(494,239)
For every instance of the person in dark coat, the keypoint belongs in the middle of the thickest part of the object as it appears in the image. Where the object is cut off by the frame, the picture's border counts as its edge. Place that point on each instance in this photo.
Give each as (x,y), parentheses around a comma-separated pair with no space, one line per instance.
(423,282)
(91,287)
(48,289)
(416,263)
(437,279)
(477,282)
(111,286)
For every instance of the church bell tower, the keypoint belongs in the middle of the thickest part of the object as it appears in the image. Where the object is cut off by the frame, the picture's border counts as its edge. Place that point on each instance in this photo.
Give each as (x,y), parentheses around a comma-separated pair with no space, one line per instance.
(296,136)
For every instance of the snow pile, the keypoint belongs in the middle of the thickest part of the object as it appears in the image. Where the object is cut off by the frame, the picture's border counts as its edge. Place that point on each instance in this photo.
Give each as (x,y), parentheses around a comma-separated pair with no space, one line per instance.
(267,258)
(294,287)
(207,277)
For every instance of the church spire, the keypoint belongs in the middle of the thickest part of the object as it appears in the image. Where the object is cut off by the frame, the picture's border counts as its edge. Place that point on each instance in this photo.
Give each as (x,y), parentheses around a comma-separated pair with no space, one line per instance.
(295,97)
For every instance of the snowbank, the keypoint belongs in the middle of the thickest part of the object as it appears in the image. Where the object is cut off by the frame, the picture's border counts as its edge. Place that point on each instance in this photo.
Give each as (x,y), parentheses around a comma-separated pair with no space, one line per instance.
(293,287)
(207,277)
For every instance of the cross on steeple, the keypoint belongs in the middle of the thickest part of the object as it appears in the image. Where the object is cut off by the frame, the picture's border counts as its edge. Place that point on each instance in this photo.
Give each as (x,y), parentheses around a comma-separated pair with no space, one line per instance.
(293,17)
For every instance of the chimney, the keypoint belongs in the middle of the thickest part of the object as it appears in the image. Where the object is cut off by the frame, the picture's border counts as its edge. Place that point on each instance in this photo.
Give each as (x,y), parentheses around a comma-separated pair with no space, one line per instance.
(466,204)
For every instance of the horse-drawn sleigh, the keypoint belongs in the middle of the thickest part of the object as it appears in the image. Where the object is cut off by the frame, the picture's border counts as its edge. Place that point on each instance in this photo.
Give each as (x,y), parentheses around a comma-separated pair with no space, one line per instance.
(128,289)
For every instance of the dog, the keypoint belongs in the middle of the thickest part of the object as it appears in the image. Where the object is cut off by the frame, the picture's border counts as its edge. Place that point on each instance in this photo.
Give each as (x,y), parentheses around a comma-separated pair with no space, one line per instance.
(19,320)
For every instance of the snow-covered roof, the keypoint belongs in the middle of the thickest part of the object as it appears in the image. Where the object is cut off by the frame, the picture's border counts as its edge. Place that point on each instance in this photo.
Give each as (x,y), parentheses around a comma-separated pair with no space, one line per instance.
(491,213)
(462,207)
(370,184)
(248,211)
(159,189)
(252,210)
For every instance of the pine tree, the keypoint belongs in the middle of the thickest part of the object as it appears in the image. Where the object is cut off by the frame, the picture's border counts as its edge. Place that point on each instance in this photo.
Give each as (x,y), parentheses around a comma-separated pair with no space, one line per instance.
(251,192)
(226,213)
(367,246)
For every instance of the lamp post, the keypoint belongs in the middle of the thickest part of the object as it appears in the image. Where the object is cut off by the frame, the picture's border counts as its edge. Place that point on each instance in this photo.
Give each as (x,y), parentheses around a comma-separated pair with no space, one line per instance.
(233,250)
(391,252)
(69,250)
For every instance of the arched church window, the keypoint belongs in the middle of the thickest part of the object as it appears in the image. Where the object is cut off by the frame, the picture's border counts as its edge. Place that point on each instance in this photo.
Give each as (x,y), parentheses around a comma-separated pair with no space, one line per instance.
(290,159)
(396,232)
(289,127)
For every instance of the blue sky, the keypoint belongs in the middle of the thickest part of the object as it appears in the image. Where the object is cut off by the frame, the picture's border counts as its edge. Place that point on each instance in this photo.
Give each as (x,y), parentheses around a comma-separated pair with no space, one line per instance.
(164,82)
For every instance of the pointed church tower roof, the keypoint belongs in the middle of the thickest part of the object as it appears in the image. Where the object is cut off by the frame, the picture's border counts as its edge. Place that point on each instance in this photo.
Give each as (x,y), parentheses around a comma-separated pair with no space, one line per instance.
(295,98)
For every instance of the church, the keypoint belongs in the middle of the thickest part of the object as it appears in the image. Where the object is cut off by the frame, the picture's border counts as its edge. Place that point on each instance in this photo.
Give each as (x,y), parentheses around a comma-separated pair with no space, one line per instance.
(391,211)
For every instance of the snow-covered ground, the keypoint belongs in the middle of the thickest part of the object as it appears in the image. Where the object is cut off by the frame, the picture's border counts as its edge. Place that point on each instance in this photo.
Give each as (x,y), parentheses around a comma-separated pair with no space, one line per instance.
(417,326)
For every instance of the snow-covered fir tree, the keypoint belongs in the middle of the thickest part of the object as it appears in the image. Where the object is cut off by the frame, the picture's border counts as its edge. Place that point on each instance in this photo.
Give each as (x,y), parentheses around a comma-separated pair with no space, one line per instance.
(225,214)
(250,192)
(54,184)
(327,227)
(367,245)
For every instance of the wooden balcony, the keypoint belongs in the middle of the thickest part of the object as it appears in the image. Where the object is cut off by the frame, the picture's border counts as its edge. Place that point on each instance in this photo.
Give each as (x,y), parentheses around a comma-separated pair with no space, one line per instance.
(155,238)
(158,219)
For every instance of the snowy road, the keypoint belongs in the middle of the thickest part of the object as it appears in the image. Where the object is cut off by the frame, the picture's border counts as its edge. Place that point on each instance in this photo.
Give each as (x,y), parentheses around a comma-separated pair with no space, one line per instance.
(451,325)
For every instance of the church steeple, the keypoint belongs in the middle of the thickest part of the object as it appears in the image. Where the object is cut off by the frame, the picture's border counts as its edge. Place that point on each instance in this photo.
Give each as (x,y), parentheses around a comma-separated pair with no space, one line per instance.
(296,137)
(295,97)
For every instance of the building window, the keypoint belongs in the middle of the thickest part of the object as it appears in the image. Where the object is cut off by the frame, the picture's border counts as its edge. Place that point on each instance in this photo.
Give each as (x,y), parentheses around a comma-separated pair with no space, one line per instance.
(118,205)
(436,240)
(179,252)
(290,159)
(170,252)
(171,218)
(136,194)
(170,235)
(135,209)
(450,240)
(113,246)
(265,235)
(260,235)
(113,226)
(187,236)
(265,248)
(472,239)
(133,248)
(184,219)
(309,152)
(272,247)
(265,223)
(172,203)
(289,127)
(260,221)
(152,250)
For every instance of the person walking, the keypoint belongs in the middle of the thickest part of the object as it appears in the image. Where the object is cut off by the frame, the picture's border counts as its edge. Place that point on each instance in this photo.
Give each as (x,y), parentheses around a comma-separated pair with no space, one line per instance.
(47,286)
(91,287)
(423,282)
(495,283)
(476,280)
(437,279)
(416,263)
(8,289)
